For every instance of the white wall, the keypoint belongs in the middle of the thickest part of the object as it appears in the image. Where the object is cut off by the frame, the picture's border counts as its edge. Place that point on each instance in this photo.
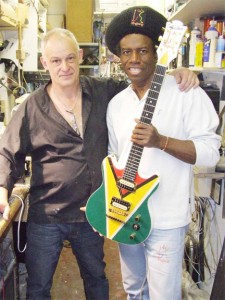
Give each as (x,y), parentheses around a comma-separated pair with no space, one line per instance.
(158,5)
(58,7)
(56,13)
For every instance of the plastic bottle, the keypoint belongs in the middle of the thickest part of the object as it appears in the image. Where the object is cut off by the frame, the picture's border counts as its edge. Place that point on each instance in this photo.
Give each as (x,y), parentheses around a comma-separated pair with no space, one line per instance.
(211,36)
(195,34)
(199,53)
(220,44)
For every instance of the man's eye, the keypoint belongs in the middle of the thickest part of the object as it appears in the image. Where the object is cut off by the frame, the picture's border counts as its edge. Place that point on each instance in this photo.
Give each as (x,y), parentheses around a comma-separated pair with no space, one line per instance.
(71,59)
(143,51)
(56,61)
(126,52)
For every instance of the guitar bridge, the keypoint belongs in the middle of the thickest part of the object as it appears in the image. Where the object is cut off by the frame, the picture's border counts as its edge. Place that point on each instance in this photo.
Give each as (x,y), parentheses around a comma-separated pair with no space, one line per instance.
(118,212)
(121,204)
(125,184)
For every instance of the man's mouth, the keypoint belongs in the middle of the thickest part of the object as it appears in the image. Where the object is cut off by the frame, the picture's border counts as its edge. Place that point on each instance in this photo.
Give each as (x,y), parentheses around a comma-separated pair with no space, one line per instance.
(65,75)
(134,71)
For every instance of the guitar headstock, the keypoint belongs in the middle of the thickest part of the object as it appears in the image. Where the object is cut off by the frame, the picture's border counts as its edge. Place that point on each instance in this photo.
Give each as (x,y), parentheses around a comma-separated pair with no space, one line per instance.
(170,42)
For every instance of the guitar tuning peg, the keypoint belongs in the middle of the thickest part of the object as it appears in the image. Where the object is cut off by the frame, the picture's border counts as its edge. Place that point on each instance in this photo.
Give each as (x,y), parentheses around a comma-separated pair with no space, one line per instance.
(156,47)
(160,38)
(163,29)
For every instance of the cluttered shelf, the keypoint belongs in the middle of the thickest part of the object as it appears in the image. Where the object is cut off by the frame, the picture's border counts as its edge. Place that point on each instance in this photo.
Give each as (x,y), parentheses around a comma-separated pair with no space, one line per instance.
(194,8)
(213,175)
(7,23)
(8,16)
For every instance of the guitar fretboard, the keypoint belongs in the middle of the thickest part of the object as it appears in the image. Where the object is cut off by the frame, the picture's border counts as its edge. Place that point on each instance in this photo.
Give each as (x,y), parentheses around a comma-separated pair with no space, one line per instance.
(136,151)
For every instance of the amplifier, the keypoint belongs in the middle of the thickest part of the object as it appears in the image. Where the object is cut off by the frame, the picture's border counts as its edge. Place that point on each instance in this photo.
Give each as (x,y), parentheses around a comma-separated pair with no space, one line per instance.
(213,91)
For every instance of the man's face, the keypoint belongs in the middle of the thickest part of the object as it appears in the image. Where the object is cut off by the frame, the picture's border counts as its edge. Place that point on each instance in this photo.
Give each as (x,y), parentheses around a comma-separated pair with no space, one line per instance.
(138,57)
(62,58)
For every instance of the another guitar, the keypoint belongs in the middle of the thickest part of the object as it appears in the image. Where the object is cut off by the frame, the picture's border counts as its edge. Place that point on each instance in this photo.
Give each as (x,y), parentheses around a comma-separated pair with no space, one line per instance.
(118,209)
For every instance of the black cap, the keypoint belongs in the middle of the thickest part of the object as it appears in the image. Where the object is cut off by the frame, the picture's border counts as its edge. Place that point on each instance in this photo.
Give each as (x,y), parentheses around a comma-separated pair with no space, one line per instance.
(137,19)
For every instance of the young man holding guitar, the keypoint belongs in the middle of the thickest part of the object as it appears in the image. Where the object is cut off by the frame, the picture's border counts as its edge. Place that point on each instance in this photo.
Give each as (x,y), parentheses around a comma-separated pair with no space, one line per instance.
(157,134)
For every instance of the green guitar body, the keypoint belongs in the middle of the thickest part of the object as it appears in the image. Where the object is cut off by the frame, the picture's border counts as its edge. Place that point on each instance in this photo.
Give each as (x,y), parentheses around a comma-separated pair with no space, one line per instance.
(119,214)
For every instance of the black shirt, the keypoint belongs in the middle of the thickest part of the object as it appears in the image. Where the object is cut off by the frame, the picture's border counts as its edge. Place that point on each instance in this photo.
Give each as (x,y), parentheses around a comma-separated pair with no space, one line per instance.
(66,168)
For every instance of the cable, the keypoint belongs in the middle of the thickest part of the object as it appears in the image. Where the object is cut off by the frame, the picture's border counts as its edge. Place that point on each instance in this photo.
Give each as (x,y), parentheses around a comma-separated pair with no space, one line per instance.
(205,206)
(19,222)
(33,4)
(5,86)
(19,87)
(193,265)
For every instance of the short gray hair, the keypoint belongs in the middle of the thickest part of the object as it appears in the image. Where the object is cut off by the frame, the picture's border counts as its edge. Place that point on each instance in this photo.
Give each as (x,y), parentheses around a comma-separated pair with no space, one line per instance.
(60,32)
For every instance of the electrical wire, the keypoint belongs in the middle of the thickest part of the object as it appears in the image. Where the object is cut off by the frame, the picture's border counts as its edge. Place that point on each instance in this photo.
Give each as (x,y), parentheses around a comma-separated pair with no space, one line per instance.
(19,223)
(33,3)
(203,222)
(19,87)
(5,86)
(193,264)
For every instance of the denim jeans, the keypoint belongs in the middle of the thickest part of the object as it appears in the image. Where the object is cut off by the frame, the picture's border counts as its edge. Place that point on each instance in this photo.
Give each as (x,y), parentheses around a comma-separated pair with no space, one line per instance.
(153,269)
(44,245)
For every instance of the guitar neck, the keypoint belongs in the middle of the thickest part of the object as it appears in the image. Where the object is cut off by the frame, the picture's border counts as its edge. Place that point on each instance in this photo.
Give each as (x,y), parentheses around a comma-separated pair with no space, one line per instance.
(135,154)
(153,94)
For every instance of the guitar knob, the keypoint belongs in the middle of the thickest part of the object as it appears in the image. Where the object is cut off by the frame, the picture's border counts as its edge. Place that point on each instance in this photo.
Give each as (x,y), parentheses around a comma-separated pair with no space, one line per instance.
(160,38)
(136,227)
(137,218)
(132,236)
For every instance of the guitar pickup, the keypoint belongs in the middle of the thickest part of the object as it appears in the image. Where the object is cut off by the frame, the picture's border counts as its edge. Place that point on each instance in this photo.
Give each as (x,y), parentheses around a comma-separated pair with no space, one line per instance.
(121,204)
(125,184)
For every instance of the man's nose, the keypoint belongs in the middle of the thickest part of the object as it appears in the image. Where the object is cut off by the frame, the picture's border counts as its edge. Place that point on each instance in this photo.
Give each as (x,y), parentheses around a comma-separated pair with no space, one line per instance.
(65,64)
(134,56)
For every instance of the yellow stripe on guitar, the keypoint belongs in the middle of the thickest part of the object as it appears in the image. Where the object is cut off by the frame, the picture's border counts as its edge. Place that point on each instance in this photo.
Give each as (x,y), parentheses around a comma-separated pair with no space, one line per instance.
(117,217)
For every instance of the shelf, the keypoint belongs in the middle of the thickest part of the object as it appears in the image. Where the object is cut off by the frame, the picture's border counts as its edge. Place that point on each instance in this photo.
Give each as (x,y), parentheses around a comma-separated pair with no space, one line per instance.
(199,8)
(6,23)
(219,70)
(88,45)
(106,14)
(91,58)
(8,16)
(213,175)
(88,66)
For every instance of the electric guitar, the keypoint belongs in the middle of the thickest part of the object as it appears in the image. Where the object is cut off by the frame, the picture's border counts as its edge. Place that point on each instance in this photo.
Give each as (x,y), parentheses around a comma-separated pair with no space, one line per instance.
(118,209)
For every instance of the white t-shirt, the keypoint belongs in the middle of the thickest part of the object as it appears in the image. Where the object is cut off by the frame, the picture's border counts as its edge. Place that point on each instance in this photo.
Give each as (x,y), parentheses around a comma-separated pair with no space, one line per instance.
(181,115)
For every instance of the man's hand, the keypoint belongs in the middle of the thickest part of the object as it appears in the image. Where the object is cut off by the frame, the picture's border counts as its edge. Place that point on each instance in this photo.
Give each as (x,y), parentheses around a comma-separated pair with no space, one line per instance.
(146,135)
(4,204)
(185,78)
(84,209)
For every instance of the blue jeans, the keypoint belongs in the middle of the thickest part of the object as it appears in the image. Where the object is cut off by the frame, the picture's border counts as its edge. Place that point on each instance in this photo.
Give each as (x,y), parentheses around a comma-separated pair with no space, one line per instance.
(44,245)
(153,269)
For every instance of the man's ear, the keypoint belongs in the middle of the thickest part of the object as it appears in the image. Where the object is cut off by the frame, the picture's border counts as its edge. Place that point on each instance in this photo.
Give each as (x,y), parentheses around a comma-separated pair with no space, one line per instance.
(80,53)
(44,63)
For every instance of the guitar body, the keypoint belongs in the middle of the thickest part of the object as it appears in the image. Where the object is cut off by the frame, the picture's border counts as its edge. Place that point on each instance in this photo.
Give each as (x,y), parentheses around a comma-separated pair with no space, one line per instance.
(119,214)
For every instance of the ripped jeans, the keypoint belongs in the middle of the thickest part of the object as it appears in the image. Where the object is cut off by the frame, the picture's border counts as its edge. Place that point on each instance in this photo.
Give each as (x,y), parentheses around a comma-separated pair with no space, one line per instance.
(153,269)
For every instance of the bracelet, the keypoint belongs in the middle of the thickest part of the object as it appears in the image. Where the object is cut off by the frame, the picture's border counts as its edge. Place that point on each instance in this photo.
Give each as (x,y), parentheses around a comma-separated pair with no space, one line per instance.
(166,144)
